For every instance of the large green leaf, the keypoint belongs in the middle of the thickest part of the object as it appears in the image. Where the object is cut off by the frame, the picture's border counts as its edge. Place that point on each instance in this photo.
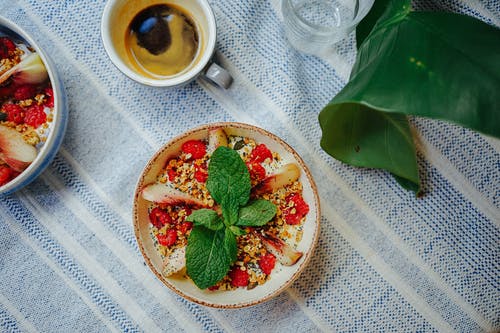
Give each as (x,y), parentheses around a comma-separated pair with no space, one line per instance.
(382,10)
(360,136)
(437,65)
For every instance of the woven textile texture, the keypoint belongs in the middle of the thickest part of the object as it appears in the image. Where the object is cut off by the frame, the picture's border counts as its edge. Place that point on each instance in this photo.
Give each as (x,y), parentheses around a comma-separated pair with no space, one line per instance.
(385,261)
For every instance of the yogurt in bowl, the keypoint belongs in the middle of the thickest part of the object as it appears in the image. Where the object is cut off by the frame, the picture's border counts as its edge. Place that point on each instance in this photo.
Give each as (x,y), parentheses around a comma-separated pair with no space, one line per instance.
(188,235)
(33,111)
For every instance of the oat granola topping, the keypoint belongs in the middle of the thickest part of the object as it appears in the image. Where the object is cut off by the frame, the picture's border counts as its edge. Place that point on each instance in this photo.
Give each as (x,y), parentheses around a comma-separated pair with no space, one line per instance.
(256,260)
(26,108)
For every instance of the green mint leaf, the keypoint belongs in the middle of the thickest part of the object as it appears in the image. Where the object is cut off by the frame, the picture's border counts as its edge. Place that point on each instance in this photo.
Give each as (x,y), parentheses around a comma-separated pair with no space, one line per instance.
(237,231)
(228,182)
(209,255)
(230,246)
(230,212)
(256,214)
(207,218)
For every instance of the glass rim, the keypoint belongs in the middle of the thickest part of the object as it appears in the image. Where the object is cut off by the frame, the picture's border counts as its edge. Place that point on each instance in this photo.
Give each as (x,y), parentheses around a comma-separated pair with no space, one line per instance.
(327,30)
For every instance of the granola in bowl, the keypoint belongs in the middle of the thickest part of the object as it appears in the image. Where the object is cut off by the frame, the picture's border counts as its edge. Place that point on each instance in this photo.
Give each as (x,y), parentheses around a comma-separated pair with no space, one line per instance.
(175,195)
(33,111)
(26,108)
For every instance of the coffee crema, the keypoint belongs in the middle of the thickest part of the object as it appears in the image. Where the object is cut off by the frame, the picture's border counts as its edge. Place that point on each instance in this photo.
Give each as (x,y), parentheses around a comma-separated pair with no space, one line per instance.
(162,40)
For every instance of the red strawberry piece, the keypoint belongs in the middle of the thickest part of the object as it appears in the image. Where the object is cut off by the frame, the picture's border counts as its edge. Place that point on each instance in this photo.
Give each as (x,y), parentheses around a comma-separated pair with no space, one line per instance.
(267,262)
(171,174)
(260,154)
(291,218)
(49,93)
(200,173)
(187,211)
(35,116)
(257,171)
(15,113)
(6,46)
(301,206)
(5,174)
(159,217)
(7,43)
(184,227)
(167,239)
(24,91)
(294,213)
(239,278)
(196,148)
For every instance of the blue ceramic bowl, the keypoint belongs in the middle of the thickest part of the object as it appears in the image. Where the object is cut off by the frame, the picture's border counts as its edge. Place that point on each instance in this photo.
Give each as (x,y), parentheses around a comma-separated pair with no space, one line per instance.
(57,127)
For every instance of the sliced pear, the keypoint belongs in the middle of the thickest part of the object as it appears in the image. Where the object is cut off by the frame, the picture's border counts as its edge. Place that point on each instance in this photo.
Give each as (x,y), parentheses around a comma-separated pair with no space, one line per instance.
(216,138)
(30,70)
(14,150)
(285,175)
(164,194)
(283,252)
(175,262)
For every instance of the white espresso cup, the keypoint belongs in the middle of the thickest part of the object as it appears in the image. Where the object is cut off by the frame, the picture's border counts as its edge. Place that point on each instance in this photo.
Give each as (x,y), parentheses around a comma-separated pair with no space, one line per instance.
(115,25)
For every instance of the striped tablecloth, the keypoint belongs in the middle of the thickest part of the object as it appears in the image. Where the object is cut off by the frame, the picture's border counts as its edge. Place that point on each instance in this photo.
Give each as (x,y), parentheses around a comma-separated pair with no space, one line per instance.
(385,262)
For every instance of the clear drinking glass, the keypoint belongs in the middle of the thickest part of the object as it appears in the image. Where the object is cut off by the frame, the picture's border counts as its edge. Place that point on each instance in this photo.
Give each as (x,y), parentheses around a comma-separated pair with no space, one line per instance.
(311,26)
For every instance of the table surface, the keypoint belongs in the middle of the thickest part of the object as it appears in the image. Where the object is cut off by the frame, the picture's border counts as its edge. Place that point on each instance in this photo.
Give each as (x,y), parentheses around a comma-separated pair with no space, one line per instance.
(385,260)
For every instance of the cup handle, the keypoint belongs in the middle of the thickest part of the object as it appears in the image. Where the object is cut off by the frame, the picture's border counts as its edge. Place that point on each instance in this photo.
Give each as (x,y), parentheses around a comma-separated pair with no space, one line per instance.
(218,76)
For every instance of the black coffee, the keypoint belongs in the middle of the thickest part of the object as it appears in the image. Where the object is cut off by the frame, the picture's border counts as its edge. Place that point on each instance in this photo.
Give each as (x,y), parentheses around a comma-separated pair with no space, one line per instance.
(162,40)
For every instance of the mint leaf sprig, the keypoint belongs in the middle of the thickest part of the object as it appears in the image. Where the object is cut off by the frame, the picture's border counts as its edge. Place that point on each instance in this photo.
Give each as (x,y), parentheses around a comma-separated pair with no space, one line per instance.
(211,247)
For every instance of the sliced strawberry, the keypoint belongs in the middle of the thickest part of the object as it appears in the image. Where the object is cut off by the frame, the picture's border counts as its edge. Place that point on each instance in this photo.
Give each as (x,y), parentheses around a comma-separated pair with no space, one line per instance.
(294,212)
(257,171)
(167,239)
(171,174)
(299,203)
(200,173)
(8,43)
(267,262)
(196,148)
(291,218)
(15,113)
(7,46)
(49,102)
(239,278)
(187,211)
(159,217)
(35,116)
(260,153)
(24,91)
(184,227)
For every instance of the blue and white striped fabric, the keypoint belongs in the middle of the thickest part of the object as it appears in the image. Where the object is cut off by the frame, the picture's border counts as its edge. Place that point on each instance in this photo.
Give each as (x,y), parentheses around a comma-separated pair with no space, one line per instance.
(385,262)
